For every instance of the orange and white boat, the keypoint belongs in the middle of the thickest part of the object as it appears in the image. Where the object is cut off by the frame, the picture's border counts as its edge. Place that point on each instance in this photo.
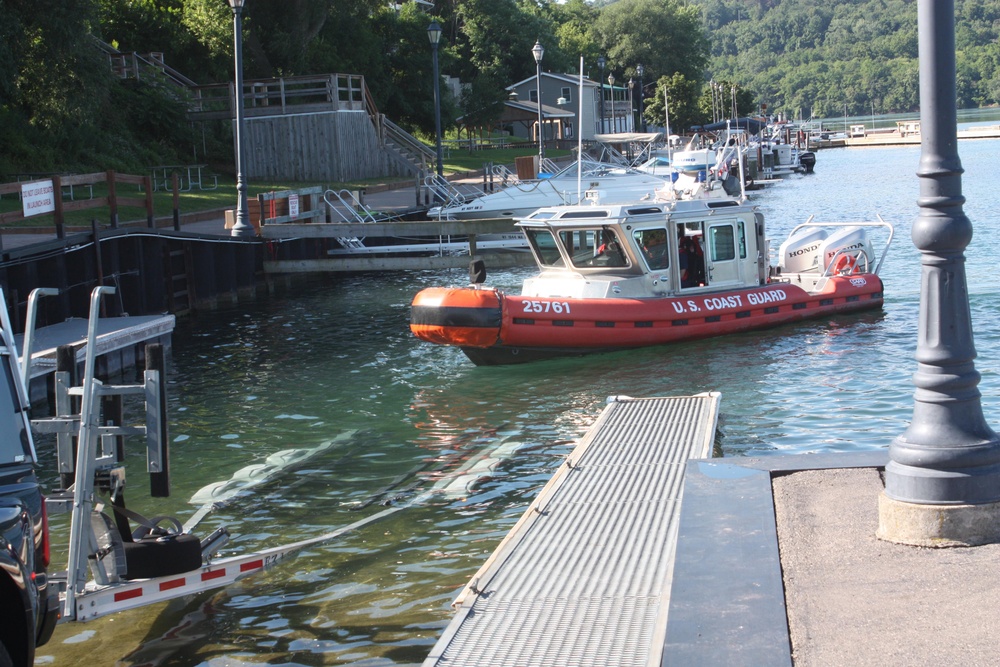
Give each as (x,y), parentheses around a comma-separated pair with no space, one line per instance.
(632,275)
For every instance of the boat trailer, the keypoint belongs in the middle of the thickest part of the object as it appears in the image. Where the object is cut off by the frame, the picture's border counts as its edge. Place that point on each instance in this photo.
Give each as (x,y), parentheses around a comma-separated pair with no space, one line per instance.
(112,567)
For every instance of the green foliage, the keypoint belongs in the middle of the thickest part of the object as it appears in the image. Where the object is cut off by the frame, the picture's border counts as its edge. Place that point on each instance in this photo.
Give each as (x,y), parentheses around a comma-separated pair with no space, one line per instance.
(682,97)
(806,58)
(664,35)
(61,109)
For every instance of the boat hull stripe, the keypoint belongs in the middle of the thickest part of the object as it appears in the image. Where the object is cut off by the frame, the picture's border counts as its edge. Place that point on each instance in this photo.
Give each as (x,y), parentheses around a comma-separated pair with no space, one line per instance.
(454,316)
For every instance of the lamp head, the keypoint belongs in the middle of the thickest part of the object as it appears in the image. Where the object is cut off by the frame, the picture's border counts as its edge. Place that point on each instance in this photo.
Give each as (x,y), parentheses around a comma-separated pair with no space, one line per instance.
(236,4)
(433,32)
(640,70)
(538,51)
(611,79)
(601,62)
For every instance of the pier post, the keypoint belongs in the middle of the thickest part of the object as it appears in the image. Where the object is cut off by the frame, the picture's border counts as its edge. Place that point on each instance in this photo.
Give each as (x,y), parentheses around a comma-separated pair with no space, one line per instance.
(942,483)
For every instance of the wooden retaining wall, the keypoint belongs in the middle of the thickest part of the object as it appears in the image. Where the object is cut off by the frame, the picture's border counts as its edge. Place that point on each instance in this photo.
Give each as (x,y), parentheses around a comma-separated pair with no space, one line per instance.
(331,146)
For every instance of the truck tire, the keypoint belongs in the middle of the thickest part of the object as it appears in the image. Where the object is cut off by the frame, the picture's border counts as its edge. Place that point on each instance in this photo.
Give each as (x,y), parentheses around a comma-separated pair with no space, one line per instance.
(5,660)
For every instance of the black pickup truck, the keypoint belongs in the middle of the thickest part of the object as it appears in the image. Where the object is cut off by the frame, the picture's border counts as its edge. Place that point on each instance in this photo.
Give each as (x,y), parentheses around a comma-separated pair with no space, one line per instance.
(29,607)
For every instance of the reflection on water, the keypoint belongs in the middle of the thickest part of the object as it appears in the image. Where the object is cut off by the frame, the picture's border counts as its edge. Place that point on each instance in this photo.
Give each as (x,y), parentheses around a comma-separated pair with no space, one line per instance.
(332,368)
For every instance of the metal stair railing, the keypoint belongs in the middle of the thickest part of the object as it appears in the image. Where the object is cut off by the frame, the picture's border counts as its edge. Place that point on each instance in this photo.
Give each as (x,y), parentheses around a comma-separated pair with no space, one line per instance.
(443,191)
(504,173)
(345,205)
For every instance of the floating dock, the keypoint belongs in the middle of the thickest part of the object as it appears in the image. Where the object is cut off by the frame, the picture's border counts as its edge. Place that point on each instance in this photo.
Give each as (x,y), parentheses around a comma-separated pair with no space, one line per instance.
(117,340)
(584,577)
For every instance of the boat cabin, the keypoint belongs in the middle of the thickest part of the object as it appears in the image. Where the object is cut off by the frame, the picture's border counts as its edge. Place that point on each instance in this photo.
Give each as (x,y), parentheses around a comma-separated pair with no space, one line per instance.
(646,250)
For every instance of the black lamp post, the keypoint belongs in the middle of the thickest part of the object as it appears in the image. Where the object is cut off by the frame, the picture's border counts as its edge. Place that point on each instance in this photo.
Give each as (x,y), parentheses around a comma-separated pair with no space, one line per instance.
(640,70)
(942,482)
(631,102)
(538,51)
(601,62)
(611,82)
(241,226)
(434,35)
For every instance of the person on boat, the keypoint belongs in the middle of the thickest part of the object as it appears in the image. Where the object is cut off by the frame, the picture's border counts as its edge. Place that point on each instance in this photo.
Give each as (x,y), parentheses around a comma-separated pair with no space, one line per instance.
(696,260)
(684,259)
(655,248)
(609,253)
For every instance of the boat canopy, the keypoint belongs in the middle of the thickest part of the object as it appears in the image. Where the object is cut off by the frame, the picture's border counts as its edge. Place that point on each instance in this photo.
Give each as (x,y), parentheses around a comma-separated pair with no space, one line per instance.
(751,125)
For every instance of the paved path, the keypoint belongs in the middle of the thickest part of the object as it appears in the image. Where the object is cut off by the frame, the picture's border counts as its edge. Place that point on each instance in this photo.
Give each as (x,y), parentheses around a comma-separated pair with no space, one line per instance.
(855,600)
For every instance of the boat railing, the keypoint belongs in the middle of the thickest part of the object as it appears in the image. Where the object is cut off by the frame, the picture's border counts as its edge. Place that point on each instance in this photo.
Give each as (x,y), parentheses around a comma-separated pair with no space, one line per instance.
(867,223)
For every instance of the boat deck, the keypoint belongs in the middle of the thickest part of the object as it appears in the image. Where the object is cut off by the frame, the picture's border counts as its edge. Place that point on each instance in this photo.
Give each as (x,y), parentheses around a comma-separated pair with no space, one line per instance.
(584,577)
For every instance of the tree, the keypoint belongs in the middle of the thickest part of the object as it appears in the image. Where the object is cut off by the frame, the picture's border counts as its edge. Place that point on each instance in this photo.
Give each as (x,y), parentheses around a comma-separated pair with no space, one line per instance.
(666,36)
(682,103)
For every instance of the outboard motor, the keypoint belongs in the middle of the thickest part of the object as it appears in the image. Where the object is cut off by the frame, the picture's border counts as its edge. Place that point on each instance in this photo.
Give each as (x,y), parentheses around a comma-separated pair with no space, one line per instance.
(851,240)
(801,252)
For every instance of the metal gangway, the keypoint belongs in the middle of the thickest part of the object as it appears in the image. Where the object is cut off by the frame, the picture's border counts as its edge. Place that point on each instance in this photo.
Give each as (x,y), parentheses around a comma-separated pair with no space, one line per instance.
(584,576)
(444,191)
(346,207)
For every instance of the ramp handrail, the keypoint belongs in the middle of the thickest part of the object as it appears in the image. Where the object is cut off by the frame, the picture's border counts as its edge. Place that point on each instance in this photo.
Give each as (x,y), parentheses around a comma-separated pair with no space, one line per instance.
(443,191)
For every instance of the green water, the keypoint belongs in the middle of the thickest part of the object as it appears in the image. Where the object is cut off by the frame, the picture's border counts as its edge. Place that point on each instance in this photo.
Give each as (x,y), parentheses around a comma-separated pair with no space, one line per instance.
(331,365)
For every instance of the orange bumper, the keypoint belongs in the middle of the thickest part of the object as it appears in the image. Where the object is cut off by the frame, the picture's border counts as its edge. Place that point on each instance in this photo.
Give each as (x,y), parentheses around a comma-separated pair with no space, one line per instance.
(461,316)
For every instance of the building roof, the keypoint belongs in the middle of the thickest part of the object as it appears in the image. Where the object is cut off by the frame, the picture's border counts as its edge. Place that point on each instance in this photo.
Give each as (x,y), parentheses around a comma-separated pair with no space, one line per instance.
(528,111)
(573,79)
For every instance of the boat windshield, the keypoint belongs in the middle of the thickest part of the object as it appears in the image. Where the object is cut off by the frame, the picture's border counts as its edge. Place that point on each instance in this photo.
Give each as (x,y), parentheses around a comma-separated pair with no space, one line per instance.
(593,248)
(592,169)
(545,246)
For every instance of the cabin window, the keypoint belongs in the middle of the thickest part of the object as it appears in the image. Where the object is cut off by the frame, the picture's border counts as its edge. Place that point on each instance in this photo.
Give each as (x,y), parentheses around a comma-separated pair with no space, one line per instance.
(653,243)
(722,245)
(545,246)
(741,239)
(595,248)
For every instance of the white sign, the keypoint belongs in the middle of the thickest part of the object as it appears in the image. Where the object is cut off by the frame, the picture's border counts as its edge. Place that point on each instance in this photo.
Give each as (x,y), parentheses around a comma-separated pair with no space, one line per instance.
(38,198)
(293,206)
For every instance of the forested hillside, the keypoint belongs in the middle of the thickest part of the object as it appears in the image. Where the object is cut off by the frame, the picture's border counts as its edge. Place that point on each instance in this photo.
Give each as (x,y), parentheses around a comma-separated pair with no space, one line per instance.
(62,108)
(809,58)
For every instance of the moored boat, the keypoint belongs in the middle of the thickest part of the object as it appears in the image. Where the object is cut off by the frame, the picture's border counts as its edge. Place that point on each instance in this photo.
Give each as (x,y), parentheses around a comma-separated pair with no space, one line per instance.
(633,275)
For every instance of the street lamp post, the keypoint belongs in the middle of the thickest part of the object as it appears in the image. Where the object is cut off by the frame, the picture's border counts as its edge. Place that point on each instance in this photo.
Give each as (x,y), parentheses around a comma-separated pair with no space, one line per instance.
(538,51)
(611,82)
(942,482)
(631,102)
(241,226)
(640,70)
(601,62)
(434,35)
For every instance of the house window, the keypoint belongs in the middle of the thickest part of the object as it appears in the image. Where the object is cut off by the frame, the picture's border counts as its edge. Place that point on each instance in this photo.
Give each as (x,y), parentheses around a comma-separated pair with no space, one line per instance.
(566,93)
(533,96)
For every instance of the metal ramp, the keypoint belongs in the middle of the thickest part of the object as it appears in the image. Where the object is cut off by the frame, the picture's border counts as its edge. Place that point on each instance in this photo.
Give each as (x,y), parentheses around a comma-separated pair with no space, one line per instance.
(584,577)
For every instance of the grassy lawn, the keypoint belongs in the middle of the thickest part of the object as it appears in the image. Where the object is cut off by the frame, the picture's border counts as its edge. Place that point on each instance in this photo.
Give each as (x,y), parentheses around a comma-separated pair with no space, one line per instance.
(224,196)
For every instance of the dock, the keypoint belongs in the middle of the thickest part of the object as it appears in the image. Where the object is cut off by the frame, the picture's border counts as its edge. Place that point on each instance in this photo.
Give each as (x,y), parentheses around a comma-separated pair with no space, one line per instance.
(430,230)
(116,349)
(584,577)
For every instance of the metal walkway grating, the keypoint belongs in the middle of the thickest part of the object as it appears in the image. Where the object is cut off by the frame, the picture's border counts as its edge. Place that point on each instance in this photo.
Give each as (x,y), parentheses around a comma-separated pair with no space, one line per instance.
(584,576)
